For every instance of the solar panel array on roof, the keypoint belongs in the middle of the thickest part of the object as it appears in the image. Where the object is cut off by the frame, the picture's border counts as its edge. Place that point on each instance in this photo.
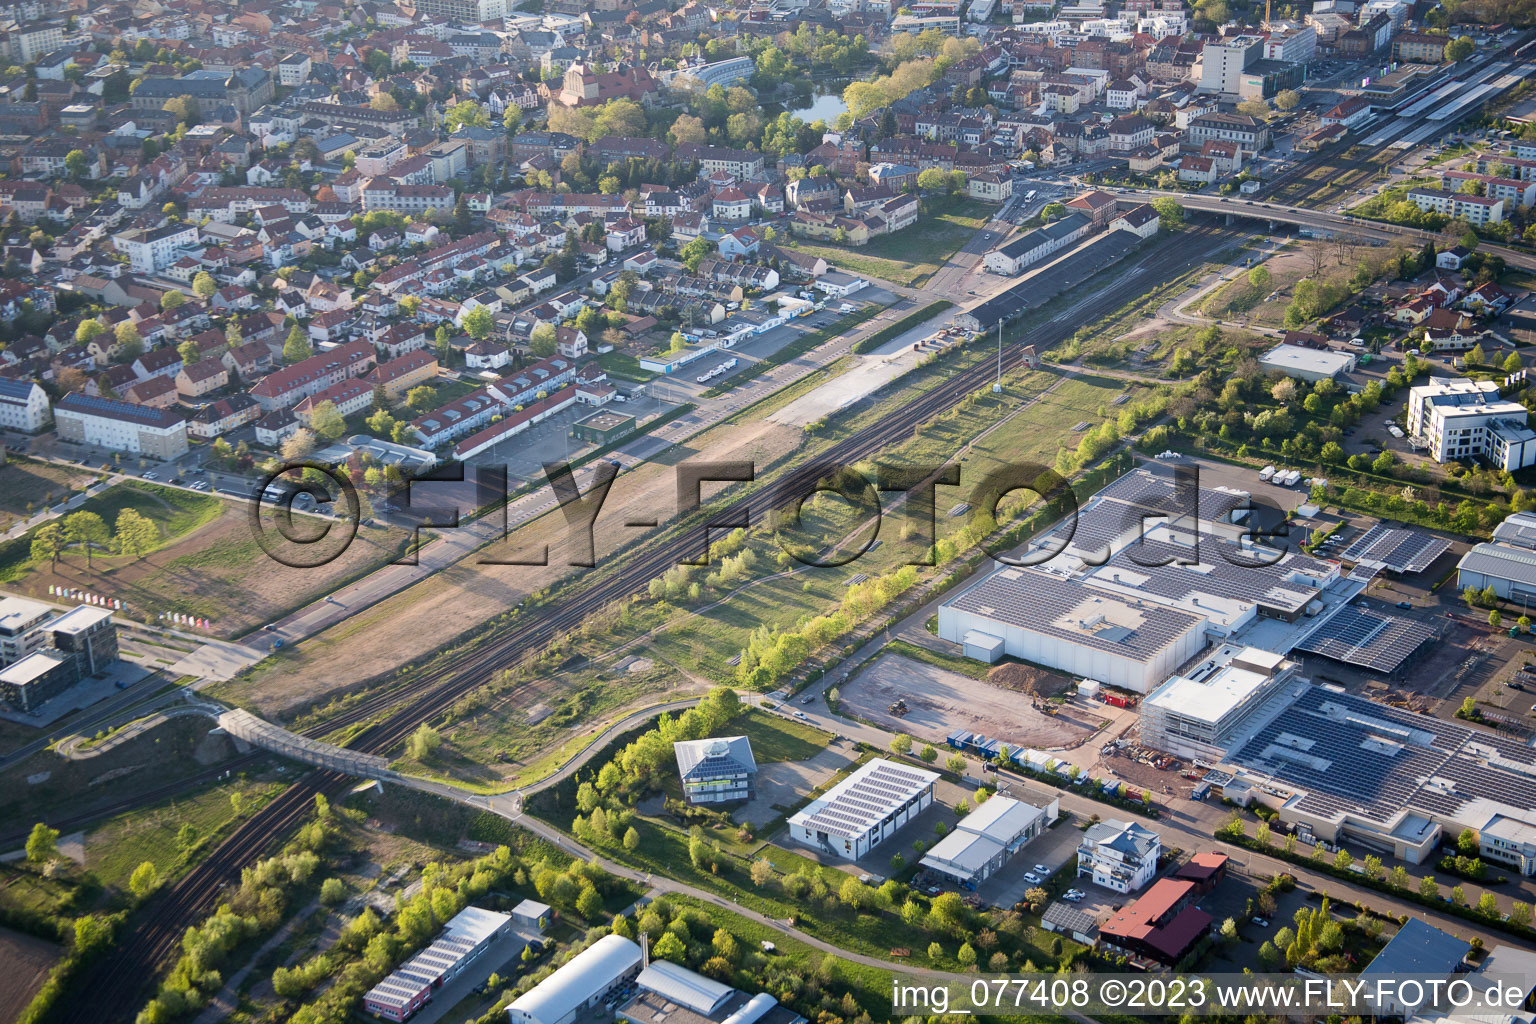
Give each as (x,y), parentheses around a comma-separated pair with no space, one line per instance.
(865,798)
(1368,639)
(1396,549)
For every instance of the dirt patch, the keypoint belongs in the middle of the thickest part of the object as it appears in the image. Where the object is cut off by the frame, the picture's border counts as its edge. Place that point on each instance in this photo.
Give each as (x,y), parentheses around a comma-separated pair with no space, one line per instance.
(461,598)
(1027,679)
(942,702)
(26,486)
(27,962)
(1154,328)
(217,571)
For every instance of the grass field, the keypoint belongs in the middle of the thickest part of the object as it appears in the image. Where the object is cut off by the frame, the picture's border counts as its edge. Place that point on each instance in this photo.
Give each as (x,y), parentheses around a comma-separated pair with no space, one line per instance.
(26,486)
(207,562)
(175,512)
(776,738)
(116,847)
(624,365)
(914,254)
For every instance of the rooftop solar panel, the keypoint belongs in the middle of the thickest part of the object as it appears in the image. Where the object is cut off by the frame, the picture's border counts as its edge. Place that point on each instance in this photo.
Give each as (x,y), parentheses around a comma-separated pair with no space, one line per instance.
(1368,639)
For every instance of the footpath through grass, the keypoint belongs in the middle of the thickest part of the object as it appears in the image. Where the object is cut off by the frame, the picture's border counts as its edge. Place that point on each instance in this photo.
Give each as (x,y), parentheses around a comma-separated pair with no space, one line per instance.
(175,513)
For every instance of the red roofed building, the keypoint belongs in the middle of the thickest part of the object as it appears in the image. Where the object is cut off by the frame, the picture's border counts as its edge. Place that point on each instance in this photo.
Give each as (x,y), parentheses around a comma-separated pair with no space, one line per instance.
(1162,925)
(350,396)
(288,386)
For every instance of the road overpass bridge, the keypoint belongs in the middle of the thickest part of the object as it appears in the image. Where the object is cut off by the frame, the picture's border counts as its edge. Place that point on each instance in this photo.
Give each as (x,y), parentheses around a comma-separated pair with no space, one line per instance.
(1323,222)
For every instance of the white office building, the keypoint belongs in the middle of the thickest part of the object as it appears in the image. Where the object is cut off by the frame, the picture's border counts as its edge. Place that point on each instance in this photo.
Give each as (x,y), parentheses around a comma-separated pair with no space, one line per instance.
(1200,713)
(1459,418)
(984,840)
(1222,63)
(865,809)
(716,770)
(1119,855)
(22,628)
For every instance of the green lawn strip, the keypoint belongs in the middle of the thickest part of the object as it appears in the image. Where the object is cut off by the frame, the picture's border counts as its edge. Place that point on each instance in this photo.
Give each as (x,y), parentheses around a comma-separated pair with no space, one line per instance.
(903,325)
(945,226)
(776,738)
(625,366)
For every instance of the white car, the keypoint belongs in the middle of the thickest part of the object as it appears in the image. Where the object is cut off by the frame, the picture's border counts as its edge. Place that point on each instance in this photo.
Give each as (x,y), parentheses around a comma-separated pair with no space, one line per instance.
(1032,878)
(1041,869)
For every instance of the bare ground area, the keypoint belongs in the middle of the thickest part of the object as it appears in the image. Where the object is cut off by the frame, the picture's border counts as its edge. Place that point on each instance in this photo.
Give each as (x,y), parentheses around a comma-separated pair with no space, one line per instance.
(460,599)
(27,962)
(217,571)
(942,702)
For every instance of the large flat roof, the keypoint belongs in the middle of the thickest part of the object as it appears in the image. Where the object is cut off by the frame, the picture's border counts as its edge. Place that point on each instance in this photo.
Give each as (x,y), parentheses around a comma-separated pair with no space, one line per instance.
(862,800)
(1065,609)
(1295,358)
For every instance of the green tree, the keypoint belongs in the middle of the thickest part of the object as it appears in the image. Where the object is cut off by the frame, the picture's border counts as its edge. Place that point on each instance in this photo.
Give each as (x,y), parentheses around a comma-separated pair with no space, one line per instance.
(75,164)
(134,534)
(956,762)
(478,323)
(670,947)
(129,345)
(87,329)
(928,754)
(421,398)
(42,844)
(48,542)
(424,742)
(87,530)
(901,743)
(327,421)
(1495,619)
(1287,99)
(589,904)
(172,300)
(204,284)
(1460,48)
(541,342)
(1170,215)
(468,113)
(144,879)
(296,347)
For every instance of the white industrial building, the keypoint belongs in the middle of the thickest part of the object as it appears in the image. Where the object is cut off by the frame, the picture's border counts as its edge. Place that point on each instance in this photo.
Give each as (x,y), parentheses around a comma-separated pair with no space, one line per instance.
(1460,418)
(1309,364)
(670,994)
(1507,563)
(584,981)
(984,840)
(864,810)
(1050,620)
(717,770)
(410,986)
(1119,855)
(153,249)
(1199,713)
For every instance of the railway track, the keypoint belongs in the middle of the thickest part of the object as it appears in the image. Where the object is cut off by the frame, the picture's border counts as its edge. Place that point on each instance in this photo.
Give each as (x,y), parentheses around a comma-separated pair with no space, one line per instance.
(113,988)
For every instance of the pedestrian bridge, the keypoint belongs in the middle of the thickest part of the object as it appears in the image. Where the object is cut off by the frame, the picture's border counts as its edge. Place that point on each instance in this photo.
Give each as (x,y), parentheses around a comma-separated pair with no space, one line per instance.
(261,733)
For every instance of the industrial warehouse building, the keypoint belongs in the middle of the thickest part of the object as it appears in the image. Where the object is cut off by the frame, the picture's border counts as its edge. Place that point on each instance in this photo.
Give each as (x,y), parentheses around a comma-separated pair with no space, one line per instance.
(716,771)
(1346,769)
(669,994)
(984,840)
(1043,618)
(1507,563)
(864,810)
(1310,364)
(1148,572)
(411,984)
(584,981)
(603,427)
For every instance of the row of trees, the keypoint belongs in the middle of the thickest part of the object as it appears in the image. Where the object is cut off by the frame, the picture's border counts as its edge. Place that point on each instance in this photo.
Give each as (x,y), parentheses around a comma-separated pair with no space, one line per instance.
(133,534)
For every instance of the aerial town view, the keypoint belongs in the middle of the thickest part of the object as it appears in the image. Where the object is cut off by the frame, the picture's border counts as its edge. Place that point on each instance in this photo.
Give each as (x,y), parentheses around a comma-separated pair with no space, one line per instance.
(767,511)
